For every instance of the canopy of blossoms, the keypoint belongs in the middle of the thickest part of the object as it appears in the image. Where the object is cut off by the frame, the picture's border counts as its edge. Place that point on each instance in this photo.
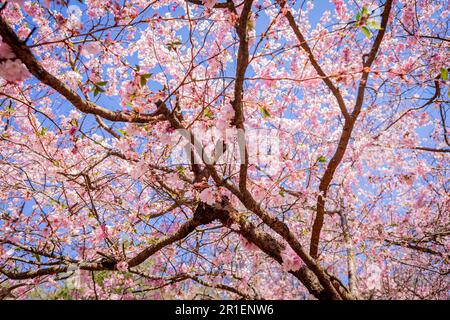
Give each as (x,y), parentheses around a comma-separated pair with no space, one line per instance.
(224,149)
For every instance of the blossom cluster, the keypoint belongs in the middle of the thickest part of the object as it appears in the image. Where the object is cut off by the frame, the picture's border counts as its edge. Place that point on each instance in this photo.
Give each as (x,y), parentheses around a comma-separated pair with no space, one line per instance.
(11,69)
(291,261)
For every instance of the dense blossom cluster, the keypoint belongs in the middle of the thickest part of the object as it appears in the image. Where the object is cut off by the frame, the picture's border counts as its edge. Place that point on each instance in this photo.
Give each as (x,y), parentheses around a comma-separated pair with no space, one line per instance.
(350,101)
(291,261)
(11,69)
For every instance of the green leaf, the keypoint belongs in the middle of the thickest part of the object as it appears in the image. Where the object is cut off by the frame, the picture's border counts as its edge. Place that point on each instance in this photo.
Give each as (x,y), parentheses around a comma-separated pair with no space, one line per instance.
(122,132)
(444,73)
(264,112)
(358,16)
(322,159)
(373,25)
(38,257)
(171,45)
(181,169)
(366,32)
(97,90)
(250,25)
(144,78)
(101,83)
(143,81)
(43,131)
(365,11)
(9,109)
(207,113)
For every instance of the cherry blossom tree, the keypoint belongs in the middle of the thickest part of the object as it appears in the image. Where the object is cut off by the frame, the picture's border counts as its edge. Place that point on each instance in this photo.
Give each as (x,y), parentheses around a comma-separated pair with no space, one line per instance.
(224,149)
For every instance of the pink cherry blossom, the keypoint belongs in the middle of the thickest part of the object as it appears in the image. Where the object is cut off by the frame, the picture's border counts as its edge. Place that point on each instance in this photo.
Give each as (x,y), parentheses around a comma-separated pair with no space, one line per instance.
(5,51)
(247,244)
(340,9)
(91,48)
(291,261)
(207,196)
(200,141)
(122,266)
(20,2)
(13,71)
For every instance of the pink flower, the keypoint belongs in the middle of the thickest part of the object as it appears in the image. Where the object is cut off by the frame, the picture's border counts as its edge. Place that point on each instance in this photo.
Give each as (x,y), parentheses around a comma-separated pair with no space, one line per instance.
(227,112)
(139,169)
(267,78)
(340,9)
(47,4)
(19,2)
(122,266)
(73,130)
(91,48)
(374,277)
(408,16)
(207,196)
(13,71)
(5,51)
(222,124)
(291,261)
(247,244)
(100,233)
(346,54)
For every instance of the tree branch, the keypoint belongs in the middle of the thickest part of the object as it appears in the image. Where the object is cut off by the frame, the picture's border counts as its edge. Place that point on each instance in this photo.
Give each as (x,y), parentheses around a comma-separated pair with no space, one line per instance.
(345,136)
(26,56)
(326,79)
